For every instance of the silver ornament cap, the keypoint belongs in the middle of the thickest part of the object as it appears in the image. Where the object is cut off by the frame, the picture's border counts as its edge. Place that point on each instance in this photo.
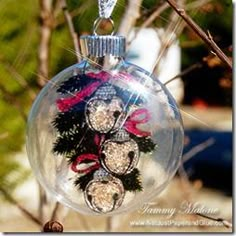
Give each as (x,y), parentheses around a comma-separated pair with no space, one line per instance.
(102,45)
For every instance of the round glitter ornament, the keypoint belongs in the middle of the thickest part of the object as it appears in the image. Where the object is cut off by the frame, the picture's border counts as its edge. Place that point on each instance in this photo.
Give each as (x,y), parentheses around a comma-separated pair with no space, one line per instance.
(104,136)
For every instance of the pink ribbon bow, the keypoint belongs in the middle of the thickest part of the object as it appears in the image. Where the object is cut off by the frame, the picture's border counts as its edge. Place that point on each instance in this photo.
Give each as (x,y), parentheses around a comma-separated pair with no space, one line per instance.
(83,157)
(134,120)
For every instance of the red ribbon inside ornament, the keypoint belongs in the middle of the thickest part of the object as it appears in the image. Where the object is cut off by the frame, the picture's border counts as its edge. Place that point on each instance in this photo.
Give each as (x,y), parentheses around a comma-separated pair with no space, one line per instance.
(82,158)
(64,104)
(140,116)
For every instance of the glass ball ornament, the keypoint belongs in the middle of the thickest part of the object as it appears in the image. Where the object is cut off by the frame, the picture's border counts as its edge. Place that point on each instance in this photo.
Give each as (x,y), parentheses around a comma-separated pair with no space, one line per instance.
(104,136)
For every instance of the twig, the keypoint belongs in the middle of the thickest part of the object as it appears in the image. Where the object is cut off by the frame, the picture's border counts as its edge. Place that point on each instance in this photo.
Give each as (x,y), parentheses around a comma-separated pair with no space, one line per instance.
(42,203)
(196,4)
(20,79)
(154,15)
(47,21)
(53,225)
(59,212)
(207,38)
(226,223)
(187,187)
(55,210)
(199,148)
(73,34)
(109,224)
(131,14)
(150,19)
(169,36)
(166,40)
(184,72)
(10,98)
(20,207)
(83,222)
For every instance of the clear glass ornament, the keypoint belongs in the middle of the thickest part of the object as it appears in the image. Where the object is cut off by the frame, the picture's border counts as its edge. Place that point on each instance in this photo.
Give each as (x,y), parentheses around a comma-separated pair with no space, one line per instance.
(104,136)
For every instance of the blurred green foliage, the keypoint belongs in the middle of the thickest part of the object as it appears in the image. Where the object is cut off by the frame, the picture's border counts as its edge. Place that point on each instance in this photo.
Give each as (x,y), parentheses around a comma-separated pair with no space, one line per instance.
(19,40)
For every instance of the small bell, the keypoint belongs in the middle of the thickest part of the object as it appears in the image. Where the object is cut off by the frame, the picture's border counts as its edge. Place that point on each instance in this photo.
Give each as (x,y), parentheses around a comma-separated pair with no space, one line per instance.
(104,194)
(120,154)
(105,111)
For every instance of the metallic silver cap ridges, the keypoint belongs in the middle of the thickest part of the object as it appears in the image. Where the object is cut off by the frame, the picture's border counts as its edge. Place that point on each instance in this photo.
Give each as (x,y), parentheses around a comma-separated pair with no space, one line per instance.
(102,45)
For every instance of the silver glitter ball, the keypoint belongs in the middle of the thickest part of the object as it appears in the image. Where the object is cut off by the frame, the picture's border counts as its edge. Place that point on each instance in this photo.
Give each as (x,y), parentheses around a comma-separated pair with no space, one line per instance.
(104,196)
(105,111)
(119,157)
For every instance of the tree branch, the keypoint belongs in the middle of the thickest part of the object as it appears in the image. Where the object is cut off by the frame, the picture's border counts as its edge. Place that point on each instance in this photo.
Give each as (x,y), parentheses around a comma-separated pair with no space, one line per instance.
(73,34)
(167,38)
(130,17)
(20,207)
(59,212)
(10,98)
(150,19)
(184,72)
(207,38)
(154,15)
(46,17)
(20,79)
(198,148)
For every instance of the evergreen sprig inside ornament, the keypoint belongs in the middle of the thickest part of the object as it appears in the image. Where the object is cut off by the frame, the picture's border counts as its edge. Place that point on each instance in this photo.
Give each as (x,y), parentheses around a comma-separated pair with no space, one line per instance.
(99,126)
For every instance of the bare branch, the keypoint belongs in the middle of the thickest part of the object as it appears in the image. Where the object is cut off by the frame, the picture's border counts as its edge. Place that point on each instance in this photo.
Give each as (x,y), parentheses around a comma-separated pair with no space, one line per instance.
(196,28)
(150,19)
(83,221)
(10,98)
(20,79)
(199,148)
(186,185)
(154,15)
(59,212)
(73,34)
(109,224)
(174,28)
(26,212)
(167,39)
(42,205)
(184,72)
(196,4)
(46,16)
(130,17)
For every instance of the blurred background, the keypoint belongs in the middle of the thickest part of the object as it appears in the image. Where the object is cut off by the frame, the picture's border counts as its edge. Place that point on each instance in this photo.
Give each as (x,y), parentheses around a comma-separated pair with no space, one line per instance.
(37,41)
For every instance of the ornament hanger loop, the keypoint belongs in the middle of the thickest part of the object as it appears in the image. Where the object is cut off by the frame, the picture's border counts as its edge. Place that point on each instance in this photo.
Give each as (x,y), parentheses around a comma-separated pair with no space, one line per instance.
(99,21)
(106,8)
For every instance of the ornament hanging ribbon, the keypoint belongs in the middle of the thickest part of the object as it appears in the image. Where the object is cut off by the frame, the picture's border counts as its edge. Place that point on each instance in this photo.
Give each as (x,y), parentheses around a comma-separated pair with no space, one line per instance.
(106,8)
